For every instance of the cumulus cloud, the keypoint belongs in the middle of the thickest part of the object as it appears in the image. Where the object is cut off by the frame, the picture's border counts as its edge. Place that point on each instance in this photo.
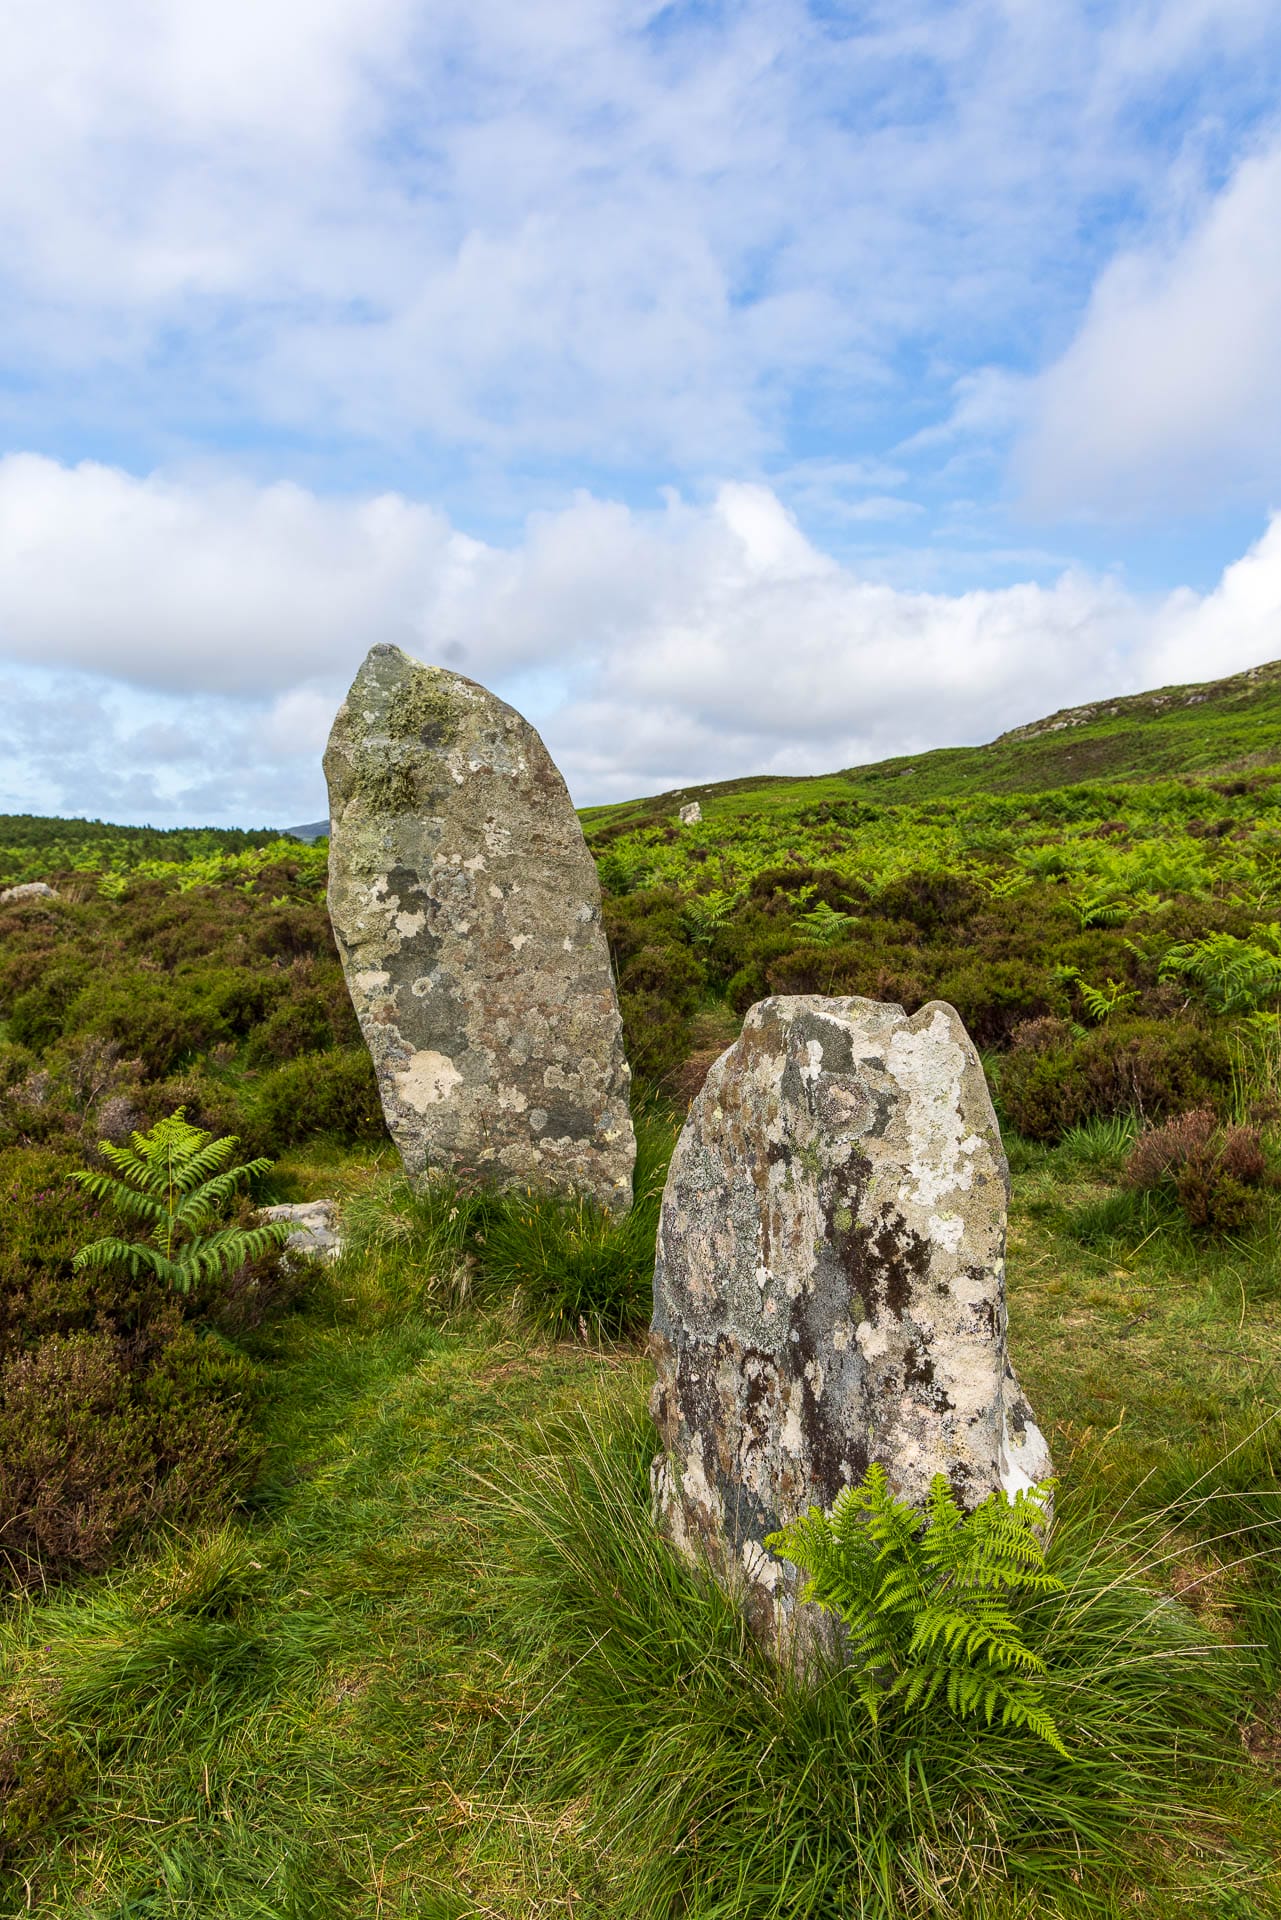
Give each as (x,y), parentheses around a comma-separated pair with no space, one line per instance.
(606,229)
(1170,393)
(180,646)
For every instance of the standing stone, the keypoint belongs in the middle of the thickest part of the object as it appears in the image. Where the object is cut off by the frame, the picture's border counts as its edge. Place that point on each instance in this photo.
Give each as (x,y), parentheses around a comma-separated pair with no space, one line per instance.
(691,815)
(467,913)
(830,1287)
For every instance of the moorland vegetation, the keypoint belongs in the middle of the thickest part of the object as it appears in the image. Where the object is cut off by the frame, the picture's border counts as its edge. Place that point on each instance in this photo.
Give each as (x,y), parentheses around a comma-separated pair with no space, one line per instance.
(332,1591)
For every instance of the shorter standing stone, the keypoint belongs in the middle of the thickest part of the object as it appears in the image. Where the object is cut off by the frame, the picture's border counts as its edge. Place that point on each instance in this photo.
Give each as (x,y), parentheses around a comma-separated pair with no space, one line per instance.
(691,815)
(830,1287)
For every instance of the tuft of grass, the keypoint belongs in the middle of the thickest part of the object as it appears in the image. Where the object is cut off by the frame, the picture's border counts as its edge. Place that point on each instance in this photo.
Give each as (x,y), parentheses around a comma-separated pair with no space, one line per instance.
(1123,1220)
(418,1238)
(1222,1494)
(1100,1145)
(721,1785)
(572,1267)
(568,1266)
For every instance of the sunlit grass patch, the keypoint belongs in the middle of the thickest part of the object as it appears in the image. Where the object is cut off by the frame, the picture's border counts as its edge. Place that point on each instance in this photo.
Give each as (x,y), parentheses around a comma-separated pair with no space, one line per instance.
(722,1785)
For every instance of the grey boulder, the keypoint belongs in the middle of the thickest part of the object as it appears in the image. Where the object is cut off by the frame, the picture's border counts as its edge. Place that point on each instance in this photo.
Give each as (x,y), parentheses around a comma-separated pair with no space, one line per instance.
(29,890)
(313,1227)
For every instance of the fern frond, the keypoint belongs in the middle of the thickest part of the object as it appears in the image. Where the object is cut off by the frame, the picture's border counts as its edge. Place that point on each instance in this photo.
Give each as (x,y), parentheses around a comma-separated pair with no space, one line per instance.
(114,1193)
(174,1180)
(213,1194)
(217,1253)
(111,1252)
(925,1597)
(206,1165)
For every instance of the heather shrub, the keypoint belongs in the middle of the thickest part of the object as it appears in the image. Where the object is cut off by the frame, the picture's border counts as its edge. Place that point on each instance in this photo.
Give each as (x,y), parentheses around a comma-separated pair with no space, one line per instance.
(659,990)
(748,985)
(332,1093)
(103,1433)
(160,1021)
(38,1015)
(656,1038)
(929,900)
(995,997)
(210,1101)
(305,1023)
(877,972)
(1215,1173)
(787,891)
(672,973)
(650,917)
(1154,1068)
(240,999)
(16,1062)
(291,930)
(46,1221)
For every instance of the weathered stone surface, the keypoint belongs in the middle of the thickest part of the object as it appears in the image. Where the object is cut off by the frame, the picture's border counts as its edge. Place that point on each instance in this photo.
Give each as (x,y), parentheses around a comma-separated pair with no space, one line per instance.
(467,913)
(691,815)
(29,890)
(313,1227)
(830,1287)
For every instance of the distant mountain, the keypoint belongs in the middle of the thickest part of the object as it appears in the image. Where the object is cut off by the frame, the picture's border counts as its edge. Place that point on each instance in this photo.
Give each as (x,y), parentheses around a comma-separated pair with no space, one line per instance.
(316,831)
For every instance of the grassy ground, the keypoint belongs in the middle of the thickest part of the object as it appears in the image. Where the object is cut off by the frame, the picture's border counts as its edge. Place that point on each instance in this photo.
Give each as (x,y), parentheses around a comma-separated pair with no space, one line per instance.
(329,1708)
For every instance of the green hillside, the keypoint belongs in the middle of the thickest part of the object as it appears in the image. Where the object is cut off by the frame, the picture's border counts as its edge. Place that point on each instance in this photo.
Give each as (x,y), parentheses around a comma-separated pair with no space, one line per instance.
(1215,727)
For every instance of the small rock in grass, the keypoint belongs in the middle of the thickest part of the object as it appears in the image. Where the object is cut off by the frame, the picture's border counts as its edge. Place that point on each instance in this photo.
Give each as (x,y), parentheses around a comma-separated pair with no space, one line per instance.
(29,890)
(314,1226)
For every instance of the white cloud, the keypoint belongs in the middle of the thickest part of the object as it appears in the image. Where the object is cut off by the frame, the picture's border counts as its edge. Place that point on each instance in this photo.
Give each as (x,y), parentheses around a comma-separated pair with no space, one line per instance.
(603,229)
(1170,394)
(186,642)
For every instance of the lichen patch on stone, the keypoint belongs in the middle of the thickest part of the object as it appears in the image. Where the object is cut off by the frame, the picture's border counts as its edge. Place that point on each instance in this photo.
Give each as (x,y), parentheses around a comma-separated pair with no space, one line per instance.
(426,1080)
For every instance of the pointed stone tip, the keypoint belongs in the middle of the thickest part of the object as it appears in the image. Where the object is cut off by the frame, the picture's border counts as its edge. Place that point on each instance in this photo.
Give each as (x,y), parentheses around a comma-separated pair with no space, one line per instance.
(384,654)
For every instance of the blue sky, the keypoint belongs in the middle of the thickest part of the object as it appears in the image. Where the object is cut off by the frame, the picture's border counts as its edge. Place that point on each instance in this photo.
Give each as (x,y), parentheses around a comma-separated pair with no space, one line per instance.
(735,387)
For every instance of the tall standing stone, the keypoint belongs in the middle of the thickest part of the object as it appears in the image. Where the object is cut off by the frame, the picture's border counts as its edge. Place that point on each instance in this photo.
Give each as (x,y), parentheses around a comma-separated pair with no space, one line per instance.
(467,912)
(830,1286)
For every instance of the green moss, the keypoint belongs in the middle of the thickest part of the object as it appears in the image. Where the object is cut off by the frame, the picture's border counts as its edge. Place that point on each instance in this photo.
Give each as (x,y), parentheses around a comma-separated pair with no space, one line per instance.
(424,711)
(385,786)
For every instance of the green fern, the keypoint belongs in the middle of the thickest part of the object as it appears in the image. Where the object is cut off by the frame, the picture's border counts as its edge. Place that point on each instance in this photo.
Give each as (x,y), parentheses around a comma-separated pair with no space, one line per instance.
(926,1604)
(823,924)
(1100,905)
(1233,976)
(175,1183)
(707,913)
(1099,1002)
